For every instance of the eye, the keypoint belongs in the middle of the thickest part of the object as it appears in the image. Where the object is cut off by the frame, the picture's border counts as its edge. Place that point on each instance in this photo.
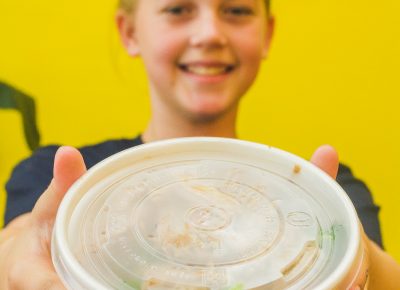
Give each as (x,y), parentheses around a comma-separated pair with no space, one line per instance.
(178,10)
(238,11)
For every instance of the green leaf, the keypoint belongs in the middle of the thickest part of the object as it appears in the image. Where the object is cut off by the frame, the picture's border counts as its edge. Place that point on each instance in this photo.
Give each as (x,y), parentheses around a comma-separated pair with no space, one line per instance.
(11,98)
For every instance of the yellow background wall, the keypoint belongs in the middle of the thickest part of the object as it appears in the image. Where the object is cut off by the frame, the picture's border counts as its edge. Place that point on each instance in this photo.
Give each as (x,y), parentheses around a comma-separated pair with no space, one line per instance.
(332,77)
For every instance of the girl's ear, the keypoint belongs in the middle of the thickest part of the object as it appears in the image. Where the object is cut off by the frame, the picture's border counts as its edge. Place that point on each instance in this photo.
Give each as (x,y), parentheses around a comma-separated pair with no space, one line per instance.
(268,37)
(126,29)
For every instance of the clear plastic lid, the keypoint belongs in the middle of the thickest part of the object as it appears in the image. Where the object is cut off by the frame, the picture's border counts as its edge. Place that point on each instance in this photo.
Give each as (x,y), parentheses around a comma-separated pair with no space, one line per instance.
(206,213)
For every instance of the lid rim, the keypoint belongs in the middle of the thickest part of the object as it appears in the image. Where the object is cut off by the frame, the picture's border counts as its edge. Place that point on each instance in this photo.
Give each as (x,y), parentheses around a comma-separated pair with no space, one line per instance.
(140,152)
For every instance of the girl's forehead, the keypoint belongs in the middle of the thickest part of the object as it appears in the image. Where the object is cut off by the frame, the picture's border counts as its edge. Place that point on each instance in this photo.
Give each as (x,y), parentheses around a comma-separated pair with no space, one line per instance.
(141,7)
(199,1)
(211,3)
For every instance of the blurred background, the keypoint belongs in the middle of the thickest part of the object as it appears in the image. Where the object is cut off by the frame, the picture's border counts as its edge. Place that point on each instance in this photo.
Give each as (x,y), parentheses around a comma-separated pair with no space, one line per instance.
(331,77)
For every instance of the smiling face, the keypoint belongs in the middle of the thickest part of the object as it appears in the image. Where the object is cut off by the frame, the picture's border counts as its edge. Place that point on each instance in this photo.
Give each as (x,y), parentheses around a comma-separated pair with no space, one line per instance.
(201,56)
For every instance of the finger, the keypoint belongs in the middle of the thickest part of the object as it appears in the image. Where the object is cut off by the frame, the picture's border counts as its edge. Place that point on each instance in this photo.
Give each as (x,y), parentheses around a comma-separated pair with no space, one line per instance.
(68,167)
(327,159)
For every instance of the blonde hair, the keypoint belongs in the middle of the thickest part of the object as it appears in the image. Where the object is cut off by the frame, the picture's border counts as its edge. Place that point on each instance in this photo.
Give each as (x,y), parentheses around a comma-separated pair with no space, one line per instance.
(129,5)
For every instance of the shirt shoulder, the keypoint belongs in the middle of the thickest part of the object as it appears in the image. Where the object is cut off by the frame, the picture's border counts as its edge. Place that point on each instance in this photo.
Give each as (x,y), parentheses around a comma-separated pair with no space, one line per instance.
(363,201)
(28,181)
(93,154)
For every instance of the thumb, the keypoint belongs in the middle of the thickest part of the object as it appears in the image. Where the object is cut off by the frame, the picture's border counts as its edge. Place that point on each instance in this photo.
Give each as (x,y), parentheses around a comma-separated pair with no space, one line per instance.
(327,159)
(68,167)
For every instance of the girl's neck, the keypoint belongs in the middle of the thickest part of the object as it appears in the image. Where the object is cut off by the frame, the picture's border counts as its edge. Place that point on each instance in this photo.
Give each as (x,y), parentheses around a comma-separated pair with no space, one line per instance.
(168,126)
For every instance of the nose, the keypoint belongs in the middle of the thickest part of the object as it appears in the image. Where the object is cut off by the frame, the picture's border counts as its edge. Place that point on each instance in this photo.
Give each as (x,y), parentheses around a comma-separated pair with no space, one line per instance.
(208,32)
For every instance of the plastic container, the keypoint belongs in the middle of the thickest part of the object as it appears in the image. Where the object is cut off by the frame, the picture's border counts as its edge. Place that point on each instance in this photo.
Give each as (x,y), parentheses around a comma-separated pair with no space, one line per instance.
(206,213)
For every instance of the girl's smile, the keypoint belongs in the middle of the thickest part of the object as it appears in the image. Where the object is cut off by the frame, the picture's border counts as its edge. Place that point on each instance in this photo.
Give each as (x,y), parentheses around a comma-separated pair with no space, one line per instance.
(207,71)
(207,68)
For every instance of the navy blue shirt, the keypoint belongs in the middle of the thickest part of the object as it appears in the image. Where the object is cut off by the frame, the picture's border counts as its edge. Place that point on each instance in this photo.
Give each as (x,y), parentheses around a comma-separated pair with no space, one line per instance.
(31,177)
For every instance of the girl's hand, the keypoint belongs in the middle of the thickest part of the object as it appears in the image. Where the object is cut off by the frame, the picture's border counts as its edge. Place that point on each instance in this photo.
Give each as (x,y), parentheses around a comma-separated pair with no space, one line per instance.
(25,258)
(326,158)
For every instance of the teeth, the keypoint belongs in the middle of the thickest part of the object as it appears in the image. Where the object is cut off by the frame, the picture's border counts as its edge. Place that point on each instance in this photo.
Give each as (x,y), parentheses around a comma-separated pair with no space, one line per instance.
(207,70)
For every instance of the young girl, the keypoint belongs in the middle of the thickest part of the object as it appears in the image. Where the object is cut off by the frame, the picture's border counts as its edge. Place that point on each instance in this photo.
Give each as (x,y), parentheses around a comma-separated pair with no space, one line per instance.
(201,56)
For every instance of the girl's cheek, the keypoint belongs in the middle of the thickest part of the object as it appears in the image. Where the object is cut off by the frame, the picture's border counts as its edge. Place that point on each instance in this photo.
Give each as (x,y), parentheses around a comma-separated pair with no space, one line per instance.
(168,47)
(250,42)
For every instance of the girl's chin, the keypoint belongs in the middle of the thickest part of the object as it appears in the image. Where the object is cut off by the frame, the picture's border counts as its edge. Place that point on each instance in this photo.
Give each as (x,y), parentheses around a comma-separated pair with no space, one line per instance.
(205,105)
(206,114)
